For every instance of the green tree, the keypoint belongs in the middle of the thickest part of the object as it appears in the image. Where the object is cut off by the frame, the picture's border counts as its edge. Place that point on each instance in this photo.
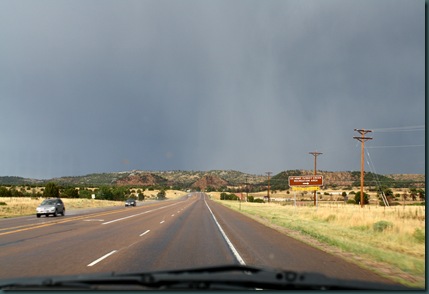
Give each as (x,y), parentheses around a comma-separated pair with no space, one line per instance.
(5,192)
(70,193)
(119,193)
(161,194)
(83,193)
(105,193)
(51,191)
(365,198)
(140,196)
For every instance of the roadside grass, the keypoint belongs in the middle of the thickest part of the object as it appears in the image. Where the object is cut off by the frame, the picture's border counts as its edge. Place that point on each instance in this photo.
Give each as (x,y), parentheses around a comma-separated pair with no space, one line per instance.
(20,206)
(387,240)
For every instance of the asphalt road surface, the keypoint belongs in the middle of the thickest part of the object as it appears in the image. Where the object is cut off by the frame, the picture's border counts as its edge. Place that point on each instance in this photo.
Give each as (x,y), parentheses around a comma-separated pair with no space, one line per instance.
(190,232)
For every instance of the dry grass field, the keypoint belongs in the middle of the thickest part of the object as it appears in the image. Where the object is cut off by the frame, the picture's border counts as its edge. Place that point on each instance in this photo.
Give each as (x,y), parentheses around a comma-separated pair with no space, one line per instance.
(19,206)
(389,240)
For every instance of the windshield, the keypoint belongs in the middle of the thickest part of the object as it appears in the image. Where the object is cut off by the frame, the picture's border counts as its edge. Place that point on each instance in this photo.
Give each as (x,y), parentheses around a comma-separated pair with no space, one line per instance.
(48,202)
(281,134)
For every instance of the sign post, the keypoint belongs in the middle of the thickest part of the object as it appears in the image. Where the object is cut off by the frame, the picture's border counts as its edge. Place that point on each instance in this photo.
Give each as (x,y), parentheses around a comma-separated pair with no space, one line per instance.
(305,183)
(294,198)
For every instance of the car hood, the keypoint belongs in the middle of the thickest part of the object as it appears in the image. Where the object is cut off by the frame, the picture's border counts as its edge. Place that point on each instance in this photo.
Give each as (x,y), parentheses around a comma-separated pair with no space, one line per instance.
(229,277)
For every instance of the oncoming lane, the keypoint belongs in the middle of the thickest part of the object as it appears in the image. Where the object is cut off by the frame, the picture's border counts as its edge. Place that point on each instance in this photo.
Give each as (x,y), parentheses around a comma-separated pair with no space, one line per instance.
(65,245)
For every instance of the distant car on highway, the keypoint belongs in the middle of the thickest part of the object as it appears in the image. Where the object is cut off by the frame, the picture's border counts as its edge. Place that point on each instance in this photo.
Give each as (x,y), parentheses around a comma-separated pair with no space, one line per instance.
(52,206)
(130,202)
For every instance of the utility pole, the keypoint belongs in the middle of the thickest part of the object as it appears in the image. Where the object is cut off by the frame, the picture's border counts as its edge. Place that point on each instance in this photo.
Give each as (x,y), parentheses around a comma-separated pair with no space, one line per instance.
(362,139)
(268,191)
(247,190)
(315,154)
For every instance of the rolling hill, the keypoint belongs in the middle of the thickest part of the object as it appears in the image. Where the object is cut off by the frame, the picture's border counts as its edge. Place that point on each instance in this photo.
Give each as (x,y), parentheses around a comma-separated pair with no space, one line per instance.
(217,179)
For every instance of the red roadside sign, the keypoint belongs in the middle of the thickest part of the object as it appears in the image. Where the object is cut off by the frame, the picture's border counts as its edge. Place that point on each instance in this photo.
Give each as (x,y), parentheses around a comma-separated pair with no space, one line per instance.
(306,181)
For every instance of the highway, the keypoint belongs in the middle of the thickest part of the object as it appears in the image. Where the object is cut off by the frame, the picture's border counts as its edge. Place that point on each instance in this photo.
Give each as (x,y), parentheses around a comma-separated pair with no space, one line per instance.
(189,232)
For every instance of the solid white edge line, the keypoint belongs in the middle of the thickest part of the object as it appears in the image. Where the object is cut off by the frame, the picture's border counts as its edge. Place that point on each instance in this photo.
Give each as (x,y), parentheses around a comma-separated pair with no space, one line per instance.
(101,258)
(145,233)
(231,246)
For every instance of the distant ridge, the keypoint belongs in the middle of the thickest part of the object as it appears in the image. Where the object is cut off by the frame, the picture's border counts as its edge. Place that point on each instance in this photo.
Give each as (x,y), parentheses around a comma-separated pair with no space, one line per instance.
(181,179)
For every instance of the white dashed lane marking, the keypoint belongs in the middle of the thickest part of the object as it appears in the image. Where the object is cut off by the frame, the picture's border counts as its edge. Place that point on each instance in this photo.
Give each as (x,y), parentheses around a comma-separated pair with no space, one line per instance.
(101,258)
(145,233)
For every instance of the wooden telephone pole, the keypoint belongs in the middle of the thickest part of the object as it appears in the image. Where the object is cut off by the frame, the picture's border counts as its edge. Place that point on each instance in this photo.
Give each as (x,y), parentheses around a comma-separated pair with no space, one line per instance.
(268,192)
(315,154)
(362,139)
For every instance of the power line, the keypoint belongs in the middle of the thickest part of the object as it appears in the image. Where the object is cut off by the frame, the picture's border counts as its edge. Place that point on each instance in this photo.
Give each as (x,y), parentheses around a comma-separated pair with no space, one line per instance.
(397,146)
(370,163)
(400,129)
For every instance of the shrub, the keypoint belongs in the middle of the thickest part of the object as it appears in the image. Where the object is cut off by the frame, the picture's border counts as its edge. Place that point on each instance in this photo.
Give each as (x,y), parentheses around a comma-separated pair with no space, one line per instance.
(161,194)
(85,194)
(380,226)
(226,196)
(417,204)
(365,198)
(259,200)
(3,203)
(351,201)
(419,235)
(360,228)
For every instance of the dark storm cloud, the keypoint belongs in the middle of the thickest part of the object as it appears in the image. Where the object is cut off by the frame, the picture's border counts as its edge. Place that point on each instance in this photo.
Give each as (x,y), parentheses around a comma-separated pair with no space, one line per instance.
(90,86)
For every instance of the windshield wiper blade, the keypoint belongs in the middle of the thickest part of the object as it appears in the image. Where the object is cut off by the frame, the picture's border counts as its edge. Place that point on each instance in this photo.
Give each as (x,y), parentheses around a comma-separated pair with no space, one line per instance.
(229,277)
(248,277)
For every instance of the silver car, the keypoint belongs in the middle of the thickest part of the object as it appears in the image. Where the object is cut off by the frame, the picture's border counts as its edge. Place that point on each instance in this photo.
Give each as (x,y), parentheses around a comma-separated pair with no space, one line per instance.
(52,206)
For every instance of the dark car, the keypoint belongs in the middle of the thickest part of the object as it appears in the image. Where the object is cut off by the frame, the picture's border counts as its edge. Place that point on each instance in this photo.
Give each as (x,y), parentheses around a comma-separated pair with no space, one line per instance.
(130,202)
(52,206)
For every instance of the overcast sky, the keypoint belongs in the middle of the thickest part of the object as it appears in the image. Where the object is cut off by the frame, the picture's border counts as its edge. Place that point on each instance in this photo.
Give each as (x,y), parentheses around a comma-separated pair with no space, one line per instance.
(92,86)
